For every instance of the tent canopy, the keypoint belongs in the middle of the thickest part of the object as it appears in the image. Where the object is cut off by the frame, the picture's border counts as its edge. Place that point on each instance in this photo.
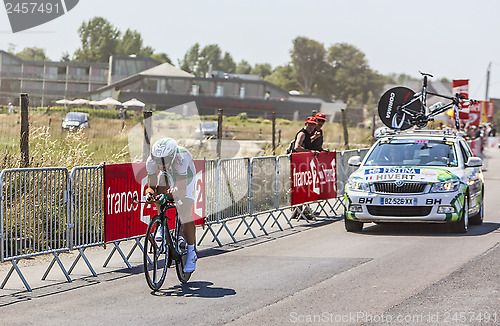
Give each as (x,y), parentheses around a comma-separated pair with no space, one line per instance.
(133,102)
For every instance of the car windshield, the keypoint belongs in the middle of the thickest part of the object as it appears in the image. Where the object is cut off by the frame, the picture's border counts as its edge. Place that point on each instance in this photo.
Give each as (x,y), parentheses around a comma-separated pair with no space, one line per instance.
(405,152)
(76,116)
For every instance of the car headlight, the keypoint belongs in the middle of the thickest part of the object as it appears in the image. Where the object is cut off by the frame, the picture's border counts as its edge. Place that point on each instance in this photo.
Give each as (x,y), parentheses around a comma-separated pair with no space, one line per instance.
(446,186)
(357,185)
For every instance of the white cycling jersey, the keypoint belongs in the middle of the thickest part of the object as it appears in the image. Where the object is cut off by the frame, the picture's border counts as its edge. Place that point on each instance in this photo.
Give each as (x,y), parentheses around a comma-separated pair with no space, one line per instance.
(182,167)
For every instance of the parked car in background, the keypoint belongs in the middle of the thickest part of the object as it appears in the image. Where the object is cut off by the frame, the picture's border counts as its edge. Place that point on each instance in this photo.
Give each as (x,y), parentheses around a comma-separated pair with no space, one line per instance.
(427,176)
(206,129)
(76,120)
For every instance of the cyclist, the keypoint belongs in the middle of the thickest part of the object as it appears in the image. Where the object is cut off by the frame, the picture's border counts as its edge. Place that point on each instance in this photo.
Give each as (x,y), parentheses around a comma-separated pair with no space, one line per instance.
(170,164)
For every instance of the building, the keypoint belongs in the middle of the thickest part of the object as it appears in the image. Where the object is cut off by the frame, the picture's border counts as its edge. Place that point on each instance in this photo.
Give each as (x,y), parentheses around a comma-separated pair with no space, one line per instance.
(165,86)
(160,86)
(48,81)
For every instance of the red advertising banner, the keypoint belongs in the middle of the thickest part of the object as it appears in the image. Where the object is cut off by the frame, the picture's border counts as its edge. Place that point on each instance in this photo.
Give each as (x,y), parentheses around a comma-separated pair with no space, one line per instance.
(475,113)
(461,86)
(122,217)
(313,177)
(489,110)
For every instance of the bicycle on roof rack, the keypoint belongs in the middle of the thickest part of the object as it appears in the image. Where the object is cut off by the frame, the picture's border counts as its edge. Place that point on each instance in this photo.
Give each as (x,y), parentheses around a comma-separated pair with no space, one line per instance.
(400,108)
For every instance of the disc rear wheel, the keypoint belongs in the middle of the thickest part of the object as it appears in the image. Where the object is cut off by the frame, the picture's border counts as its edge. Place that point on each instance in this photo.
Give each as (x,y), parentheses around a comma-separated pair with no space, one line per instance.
(181,246)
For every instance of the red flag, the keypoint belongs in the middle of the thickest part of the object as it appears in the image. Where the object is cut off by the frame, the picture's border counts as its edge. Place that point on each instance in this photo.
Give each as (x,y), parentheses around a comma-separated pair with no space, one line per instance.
(461,86)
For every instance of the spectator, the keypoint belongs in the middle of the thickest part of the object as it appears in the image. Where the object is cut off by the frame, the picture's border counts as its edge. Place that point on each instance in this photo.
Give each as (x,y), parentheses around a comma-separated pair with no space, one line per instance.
(317,137)
(303,137)
(493,131)
(303,144)
(11,108)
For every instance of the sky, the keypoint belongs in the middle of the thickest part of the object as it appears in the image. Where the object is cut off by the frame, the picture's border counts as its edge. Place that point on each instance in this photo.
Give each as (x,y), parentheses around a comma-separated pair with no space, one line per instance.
(449,39)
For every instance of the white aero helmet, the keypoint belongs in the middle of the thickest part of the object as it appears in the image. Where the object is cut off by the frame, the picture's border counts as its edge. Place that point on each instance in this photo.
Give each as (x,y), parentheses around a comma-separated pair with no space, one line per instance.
(163,151)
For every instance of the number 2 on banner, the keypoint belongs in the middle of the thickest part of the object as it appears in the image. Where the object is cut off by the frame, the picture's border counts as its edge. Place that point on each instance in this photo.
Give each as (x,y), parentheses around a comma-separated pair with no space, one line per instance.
(198,205)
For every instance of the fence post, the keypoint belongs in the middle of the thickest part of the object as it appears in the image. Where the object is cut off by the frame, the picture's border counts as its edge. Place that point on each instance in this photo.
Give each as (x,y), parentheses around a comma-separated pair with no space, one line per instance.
(274,133)
(219,133)
(148,132)
(25,156)
(344,124)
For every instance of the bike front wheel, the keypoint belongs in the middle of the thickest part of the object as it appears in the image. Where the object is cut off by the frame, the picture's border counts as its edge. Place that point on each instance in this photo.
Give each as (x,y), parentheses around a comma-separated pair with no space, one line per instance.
(157,256)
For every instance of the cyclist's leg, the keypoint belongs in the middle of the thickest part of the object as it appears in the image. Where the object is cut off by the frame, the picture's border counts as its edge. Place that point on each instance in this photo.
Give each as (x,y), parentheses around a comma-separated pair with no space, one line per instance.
(189,228)
(187,220)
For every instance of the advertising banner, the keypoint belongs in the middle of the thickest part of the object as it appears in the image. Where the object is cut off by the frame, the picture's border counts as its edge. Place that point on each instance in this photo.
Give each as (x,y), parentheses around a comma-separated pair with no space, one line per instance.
(122,217)
(489,110)
(461,86)
(313,177)
(475,111)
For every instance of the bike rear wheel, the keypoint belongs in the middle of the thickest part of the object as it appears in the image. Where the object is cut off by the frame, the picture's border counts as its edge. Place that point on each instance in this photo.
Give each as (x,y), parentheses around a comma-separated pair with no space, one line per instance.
(388,108)
(157,256)
(181,246)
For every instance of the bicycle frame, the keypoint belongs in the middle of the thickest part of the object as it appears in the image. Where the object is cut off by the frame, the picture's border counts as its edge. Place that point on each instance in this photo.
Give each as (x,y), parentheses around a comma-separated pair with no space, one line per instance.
(422,96)
(167,232)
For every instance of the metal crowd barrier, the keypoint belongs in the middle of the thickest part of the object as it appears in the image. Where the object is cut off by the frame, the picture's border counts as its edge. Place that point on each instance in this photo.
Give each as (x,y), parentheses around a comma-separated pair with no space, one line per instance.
(86,211)
(34,216)
(48,210)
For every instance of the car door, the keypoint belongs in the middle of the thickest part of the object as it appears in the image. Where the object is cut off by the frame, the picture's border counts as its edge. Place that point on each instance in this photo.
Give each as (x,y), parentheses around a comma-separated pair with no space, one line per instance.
(473,177)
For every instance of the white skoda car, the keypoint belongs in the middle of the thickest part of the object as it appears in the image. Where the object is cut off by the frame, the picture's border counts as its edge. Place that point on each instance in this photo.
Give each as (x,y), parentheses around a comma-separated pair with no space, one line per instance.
(429,176)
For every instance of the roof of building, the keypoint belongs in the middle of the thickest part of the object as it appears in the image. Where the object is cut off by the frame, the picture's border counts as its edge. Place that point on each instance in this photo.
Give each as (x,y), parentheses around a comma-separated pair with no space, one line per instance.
(167,70)
(55,63)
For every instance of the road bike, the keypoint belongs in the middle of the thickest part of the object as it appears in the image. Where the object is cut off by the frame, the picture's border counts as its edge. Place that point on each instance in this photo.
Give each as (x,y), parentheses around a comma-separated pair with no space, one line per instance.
(163,245)
(401,108)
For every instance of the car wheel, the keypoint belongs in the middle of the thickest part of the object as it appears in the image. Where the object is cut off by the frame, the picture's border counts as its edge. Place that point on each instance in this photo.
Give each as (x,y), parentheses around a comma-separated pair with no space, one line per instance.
(462,225)
(353,226)
(477,219)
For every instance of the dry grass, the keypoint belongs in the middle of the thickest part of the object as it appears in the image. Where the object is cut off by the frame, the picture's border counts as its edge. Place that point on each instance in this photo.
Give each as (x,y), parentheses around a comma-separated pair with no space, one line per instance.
(107,139)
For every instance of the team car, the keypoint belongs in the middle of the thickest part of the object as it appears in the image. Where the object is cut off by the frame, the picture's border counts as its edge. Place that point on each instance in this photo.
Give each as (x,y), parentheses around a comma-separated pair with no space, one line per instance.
(426,176)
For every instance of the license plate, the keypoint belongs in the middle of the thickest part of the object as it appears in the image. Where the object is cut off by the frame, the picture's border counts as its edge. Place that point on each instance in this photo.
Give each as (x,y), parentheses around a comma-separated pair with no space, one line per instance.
(398,201)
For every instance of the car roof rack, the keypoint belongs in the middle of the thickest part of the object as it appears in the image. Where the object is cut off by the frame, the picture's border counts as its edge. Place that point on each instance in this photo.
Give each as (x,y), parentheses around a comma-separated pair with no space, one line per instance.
(413,132)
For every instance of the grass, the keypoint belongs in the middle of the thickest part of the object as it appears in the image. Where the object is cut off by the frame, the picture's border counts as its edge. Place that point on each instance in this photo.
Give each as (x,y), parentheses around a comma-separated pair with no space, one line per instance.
(107,140)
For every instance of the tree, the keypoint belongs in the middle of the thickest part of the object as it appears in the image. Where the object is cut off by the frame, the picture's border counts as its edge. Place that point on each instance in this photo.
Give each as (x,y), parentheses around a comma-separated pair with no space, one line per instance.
(12,48)
(262,69)
(65,57)
(353,81)
(34,53)
(243,67)
(131,43)
(99,40)
(308,58)
(161,57)
(191,59)
(227,63)
(207,59)
(210,59)
(283,76)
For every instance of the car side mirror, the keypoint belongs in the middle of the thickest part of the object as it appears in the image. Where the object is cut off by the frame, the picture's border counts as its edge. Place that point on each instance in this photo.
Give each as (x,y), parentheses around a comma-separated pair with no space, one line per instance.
(354,161)
(473,162)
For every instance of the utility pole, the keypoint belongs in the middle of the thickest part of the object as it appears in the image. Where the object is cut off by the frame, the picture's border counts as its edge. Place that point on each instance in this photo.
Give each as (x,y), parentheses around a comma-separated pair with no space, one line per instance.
(487,81)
